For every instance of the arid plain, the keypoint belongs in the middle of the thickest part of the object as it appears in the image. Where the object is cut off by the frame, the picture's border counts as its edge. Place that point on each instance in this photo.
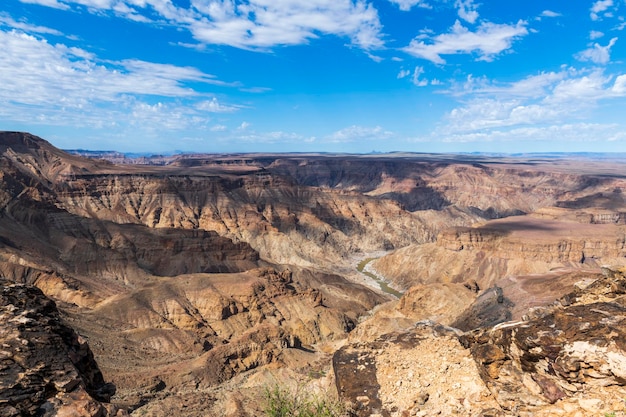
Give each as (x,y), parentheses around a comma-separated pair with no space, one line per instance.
(191,284)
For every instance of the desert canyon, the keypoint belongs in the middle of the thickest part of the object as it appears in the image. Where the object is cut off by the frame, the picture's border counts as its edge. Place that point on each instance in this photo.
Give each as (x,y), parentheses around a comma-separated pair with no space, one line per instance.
(189,285)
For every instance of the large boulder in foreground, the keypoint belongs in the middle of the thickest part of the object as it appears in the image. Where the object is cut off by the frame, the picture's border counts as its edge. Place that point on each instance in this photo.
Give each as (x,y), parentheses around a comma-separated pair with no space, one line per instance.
(46,369)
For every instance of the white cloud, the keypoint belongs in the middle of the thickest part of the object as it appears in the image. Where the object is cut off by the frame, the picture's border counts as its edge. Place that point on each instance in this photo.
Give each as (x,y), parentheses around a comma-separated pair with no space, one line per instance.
(356,133)
(619,87)
(599,7)
(529,87)
(243,126)
(487,113)
(467,10)
(286,22)
(596,53)
(53,84)
(581,91)
(268,138)
(541,100)
(6,20)
(567,132)
(594,34)
(218,128)
(213,106)
(417,73)
(255,90)
(254,24)
(403,73)
(407,5)
(550,13)
(489,40)
(416,77)
(48,3)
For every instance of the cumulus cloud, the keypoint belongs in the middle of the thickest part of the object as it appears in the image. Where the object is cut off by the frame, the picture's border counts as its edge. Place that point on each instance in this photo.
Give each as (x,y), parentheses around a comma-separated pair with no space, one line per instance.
(407,5)
(218,128)
(550,13)
(214,106)
(358,133)
(619,87)
(264,23)
(596,53)
(403,74)
(487,41)
(416,78)
(467,10)
(594,34)
(544,99)
(254,24)
(55,84)
(599,7)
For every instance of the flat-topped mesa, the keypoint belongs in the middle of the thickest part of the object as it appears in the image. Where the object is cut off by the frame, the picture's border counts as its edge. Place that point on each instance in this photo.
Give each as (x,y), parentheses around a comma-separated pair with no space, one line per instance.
(537,239)
(468,238)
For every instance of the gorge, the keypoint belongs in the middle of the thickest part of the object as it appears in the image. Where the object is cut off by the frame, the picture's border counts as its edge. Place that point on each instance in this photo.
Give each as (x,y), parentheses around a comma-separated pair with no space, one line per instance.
(191,283)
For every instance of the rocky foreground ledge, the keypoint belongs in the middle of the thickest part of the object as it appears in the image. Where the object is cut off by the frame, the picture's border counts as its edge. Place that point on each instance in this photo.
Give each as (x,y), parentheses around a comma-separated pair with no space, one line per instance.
(567,359)
(46,369)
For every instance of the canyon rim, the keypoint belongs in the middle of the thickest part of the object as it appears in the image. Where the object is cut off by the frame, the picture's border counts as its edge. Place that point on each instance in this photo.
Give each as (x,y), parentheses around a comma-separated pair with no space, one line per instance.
(191,284)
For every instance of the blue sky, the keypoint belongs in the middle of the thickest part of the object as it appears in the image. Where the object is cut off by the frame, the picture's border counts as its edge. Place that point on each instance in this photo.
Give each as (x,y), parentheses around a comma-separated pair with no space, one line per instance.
(316,75)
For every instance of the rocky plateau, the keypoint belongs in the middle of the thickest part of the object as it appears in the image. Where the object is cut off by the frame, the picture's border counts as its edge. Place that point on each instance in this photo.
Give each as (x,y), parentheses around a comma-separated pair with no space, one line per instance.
(191,284)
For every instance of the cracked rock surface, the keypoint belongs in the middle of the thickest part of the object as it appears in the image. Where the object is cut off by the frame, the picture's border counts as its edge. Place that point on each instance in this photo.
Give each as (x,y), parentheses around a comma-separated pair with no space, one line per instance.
(46,369)
(566,359)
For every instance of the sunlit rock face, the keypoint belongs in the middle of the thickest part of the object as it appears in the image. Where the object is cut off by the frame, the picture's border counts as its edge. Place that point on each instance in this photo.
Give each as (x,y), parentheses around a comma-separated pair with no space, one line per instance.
(565,359)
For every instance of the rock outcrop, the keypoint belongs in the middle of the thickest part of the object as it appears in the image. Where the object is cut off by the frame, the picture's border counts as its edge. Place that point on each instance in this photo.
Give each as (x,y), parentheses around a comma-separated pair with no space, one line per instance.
(566,359)
(46,369)
(420,372)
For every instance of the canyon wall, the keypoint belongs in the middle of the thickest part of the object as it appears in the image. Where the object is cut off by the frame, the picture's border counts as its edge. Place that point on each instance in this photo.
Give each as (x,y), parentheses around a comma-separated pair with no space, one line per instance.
(200,279)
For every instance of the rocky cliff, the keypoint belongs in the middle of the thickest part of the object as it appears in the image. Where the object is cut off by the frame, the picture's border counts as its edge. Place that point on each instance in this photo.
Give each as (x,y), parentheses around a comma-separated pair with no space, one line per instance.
(567,359)
(46,369)
(514,246)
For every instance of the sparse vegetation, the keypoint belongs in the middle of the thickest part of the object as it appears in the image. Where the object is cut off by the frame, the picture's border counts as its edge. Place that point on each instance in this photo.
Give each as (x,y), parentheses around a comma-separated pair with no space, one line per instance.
(282,402)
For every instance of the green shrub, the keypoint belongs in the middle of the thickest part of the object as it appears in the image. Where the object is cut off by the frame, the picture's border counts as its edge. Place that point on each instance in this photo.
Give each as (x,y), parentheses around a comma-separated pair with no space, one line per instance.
(281,402)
